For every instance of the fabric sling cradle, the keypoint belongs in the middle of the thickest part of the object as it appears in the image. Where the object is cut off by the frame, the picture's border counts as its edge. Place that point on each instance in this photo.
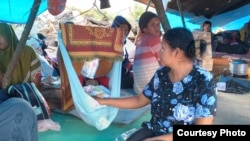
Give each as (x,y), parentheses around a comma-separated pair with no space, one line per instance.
(30,93)
(80,43)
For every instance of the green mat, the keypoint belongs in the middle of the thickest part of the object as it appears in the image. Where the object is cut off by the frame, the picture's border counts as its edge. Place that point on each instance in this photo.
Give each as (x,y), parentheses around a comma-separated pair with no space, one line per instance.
(75,129)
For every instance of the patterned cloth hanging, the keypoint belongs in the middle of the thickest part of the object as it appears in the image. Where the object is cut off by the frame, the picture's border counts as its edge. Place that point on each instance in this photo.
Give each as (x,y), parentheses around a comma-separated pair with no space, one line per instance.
(87,42)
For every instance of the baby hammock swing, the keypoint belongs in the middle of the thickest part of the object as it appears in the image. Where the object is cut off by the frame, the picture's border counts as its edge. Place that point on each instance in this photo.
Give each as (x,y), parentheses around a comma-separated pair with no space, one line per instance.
(82,43)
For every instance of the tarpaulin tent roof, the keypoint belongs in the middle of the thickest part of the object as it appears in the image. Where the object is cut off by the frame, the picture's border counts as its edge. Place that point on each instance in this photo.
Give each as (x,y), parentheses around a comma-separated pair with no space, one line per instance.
(17,11)
(219,12)
(208,8)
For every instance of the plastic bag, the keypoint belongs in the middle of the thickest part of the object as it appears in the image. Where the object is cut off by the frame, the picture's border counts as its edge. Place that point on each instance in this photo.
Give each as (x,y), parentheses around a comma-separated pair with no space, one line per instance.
(48,124)
(124,136)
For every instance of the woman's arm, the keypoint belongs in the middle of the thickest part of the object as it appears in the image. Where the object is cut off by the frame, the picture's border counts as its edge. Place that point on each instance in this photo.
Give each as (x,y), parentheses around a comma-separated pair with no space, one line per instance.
(132,102)
(204,121)
(168,137)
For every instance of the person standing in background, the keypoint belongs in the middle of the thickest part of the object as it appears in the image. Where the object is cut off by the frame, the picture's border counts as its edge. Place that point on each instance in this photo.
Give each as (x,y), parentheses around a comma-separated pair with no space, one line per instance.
(148,45)
(207,27)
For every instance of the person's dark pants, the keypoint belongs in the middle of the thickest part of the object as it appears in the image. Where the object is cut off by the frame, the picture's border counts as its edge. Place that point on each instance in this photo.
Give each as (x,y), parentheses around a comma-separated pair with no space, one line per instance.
(3,96)
(127,81)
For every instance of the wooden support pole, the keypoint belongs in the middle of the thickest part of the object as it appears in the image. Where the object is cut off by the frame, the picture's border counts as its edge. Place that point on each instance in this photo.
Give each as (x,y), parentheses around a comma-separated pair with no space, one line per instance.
(161,13)
(149,2)
(8,74)
(181,13)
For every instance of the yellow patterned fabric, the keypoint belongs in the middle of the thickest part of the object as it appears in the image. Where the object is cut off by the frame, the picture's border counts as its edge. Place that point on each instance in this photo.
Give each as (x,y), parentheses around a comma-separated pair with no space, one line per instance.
(87,42)
(28,67)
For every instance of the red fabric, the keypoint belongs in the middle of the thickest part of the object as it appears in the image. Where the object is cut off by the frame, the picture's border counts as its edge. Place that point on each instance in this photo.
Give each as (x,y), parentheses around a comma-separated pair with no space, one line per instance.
(148,46)
(104,80)
(150,40)
(81,79)
(85,42)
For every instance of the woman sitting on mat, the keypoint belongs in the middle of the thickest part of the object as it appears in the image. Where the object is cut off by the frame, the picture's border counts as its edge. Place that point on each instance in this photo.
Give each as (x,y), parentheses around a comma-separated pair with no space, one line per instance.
(180,92)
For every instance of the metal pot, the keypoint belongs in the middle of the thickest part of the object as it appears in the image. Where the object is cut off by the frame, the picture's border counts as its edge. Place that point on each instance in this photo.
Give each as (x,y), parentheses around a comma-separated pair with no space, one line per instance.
(238,67)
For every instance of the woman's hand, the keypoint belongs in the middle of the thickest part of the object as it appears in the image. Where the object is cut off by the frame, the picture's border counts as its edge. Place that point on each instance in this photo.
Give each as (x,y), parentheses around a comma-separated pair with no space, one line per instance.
(99,100)
(36,79)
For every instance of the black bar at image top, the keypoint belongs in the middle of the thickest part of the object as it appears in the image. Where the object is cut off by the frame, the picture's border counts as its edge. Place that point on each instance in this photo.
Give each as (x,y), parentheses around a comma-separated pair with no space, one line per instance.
(211,132)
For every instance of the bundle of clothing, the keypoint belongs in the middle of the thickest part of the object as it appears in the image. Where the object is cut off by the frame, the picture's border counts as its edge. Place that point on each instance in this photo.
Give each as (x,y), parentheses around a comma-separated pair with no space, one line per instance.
(50,71)
(230,42)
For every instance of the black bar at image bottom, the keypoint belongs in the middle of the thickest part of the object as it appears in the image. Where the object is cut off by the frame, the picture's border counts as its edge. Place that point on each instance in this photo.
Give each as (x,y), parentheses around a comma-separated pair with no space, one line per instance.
(211,132)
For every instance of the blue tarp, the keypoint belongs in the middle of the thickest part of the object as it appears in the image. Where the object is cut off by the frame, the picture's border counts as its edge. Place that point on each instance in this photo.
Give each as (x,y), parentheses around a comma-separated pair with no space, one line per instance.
(231,20)
(17,11)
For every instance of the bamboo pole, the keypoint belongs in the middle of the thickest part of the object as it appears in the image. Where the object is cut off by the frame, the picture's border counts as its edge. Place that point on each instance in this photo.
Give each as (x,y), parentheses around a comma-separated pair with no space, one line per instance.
(8,74)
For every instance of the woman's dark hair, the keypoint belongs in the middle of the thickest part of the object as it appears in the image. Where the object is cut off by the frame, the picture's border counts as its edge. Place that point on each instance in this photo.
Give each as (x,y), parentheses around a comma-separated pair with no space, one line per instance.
(207,22)
(121,20)
(181,38)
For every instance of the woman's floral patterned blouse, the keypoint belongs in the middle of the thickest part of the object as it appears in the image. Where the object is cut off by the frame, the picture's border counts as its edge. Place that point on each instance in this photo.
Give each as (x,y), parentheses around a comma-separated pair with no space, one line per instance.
(180,103)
